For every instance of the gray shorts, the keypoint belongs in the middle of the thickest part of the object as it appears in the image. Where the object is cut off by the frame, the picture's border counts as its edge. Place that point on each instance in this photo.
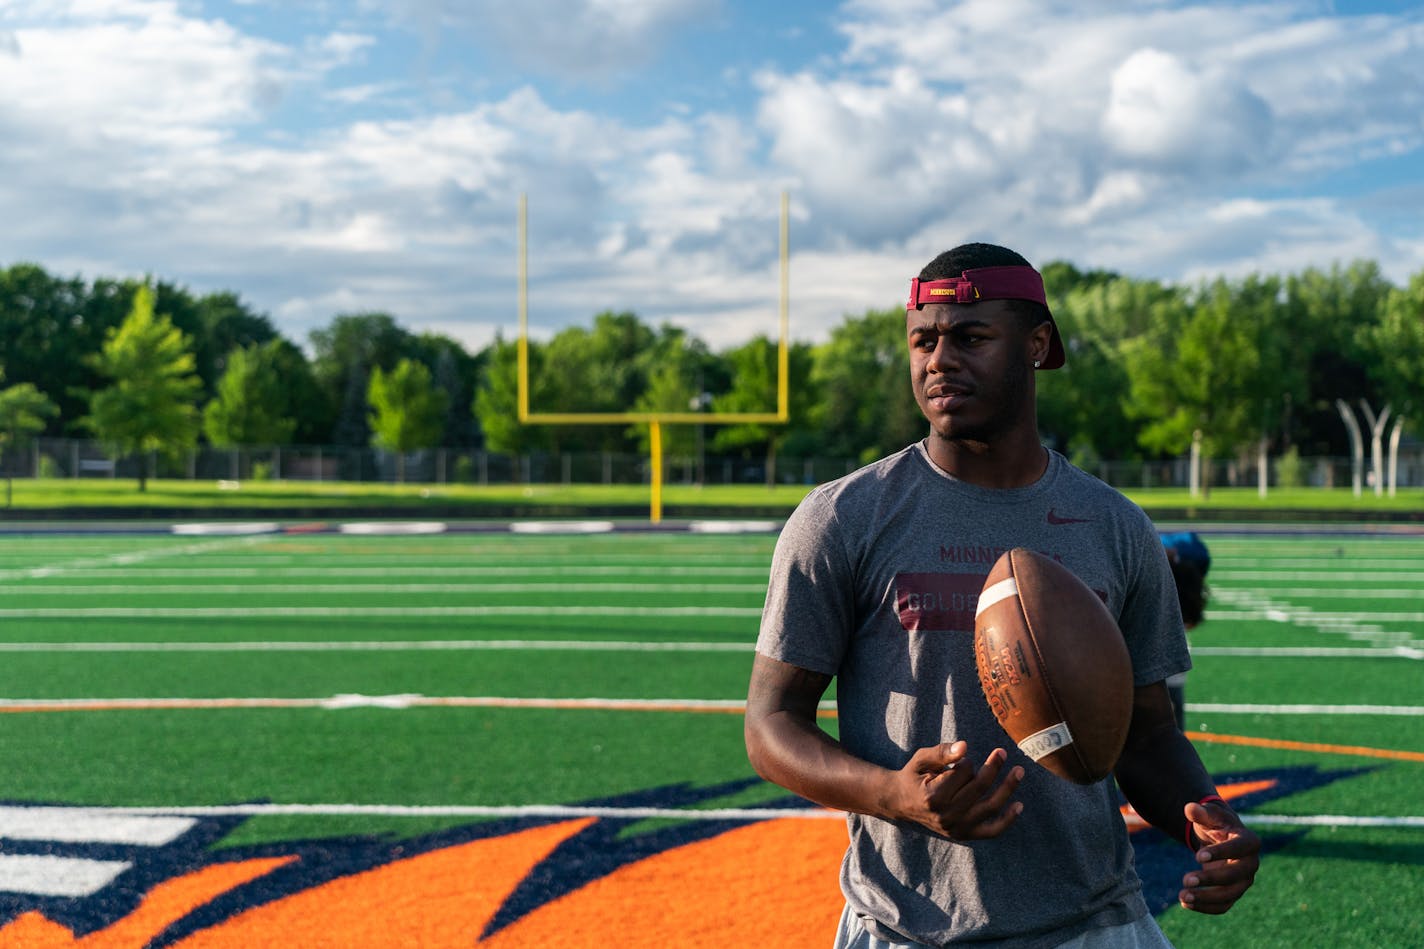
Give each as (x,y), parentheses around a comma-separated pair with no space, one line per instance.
(1142,934)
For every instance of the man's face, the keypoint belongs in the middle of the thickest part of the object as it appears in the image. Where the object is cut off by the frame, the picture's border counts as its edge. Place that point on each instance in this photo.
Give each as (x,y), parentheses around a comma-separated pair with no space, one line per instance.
(970,368)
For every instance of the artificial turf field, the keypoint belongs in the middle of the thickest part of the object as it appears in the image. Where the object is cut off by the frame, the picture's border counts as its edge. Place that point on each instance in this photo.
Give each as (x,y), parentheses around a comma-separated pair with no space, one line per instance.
(508,739)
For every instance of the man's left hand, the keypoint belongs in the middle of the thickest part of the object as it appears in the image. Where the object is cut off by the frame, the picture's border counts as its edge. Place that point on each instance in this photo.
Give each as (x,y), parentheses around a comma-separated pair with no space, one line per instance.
(1229,854)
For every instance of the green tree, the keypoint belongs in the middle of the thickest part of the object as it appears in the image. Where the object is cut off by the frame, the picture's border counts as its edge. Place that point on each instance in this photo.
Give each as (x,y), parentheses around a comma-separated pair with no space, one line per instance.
(602,369)
(344,354)
(496,403)
(456,373)
(864,407)
(1330,315)
(678,370)
(306,402)
(1396,347)
(1081,409)
(148,407)
(1280,381)
(1061,278)
(252,405)
(407,411)
(48,325)
(23,410)
(1210,369)
(753,369)
(215,324)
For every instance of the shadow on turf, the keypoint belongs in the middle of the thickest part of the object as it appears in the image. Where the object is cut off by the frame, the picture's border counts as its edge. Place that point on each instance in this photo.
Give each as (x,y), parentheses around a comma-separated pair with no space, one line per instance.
(1162,862)
(1355,851)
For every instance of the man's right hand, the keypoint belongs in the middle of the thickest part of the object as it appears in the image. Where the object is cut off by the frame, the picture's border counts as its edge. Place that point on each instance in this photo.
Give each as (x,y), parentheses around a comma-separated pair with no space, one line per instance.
(942,790)
(939,788)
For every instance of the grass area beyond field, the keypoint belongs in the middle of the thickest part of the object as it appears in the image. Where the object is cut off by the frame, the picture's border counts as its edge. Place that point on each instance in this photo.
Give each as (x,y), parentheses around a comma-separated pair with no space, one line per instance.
(472,500)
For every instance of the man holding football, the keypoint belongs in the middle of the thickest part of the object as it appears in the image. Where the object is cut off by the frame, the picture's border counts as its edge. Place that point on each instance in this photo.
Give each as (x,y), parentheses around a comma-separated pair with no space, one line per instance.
(956,836)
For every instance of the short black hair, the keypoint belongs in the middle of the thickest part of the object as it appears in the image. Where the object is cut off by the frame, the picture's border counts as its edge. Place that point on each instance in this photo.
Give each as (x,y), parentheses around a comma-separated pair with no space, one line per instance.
(956,260)
(1191,589)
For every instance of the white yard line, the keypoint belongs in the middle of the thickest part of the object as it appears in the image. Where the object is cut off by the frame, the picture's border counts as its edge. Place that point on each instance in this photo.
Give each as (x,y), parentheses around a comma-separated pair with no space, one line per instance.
(1311,652)
(1356,574)
(530,610)
(406,570)
(415,700)
(1362,626)
(1408,560)
(130,557)
(1237,708)
(1326,592)
(368,645)
(573,812)
(606,645)
(218,589)
(356,700)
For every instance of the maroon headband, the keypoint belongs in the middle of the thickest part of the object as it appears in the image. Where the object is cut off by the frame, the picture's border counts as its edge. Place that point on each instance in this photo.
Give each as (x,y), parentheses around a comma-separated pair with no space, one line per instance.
(990,283)
(983,283)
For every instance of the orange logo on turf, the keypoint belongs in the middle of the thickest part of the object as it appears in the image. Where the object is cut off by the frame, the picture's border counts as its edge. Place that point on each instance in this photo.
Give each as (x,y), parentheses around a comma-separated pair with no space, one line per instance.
(586,881)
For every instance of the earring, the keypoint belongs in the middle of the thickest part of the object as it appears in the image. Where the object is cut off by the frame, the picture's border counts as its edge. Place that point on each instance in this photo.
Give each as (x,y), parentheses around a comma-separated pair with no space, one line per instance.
(1037,363)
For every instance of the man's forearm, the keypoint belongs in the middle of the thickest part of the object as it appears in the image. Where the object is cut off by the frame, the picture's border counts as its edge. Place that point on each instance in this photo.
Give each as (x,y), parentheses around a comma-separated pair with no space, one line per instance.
(801,757)
(1160,774)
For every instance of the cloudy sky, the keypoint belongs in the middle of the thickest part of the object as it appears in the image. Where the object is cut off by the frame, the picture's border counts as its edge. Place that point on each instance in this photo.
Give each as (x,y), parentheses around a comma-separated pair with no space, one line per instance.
(320,157)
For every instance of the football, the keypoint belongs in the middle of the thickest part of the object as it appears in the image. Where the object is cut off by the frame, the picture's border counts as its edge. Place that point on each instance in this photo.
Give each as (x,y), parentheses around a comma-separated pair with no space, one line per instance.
(1053,665)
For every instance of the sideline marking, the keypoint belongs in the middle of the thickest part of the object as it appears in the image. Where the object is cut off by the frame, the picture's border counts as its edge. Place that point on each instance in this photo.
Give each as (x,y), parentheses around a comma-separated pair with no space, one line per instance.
(562,527)
(226,530)
(388,528)
(1311,746)
(734,527)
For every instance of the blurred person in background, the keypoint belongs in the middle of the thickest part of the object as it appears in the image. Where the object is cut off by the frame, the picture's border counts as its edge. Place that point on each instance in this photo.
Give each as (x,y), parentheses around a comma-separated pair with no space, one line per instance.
(1190,561)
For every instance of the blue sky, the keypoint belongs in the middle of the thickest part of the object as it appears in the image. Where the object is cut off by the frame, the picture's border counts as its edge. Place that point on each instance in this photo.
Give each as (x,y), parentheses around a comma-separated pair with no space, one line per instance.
(338,156)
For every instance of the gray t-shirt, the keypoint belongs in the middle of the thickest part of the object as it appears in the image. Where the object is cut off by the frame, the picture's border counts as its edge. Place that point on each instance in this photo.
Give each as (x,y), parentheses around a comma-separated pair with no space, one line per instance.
(875,581)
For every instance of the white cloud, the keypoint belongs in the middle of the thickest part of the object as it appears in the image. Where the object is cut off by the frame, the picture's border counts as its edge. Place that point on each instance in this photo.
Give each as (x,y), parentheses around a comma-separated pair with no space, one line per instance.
(878,160)
(1166,114)
(159,78)
(1059,127)
(139,138)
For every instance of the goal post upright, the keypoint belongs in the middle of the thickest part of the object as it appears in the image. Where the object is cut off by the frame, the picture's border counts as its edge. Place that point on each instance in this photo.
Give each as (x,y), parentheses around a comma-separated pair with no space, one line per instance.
(655,420)
(783,338)
(523,345)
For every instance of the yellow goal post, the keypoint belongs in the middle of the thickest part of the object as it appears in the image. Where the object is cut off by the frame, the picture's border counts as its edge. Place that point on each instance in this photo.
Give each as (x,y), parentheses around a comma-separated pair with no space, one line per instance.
(655,420)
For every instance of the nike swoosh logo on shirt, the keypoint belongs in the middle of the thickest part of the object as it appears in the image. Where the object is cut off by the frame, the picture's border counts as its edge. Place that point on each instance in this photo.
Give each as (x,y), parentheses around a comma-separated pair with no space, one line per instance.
(1055,519)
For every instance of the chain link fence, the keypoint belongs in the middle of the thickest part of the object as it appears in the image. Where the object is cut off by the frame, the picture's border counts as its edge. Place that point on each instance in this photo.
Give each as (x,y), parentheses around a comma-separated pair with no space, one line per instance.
(80,458)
